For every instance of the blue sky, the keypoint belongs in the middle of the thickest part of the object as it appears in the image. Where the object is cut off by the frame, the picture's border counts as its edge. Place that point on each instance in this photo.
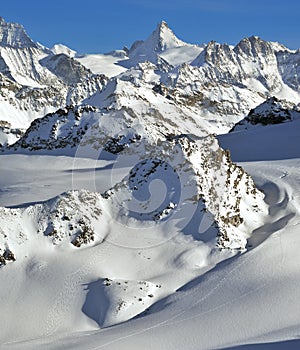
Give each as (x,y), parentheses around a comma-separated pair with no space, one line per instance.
(100,26)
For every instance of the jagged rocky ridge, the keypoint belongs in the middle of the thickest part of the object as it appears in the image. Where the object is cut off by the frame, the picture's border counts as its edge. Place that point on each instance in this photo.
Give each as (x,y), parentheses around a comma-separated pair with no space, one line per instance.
(272,111)
(73,217)
(215,197)
(199,175)
(229,81)
(162,113)
(9,135)
(214,187)
(34,80)
(217,83)
(221,83)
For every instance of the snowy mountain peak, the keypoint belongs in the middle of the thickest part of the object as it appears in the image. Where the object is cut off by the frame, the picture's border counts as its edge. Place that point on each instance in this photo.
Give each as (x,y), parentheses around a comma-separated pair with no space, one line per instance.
(212,53)
(60,48)
(254,45)
(163,38)
(66,68)
(14,35)
(163,24)
(273,107)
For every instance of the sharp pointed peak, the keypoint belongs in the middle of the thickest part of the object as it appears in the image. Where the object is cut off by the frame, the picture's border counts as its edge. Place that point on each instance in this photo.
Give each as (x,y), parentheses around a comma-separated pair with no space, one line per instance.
(14,35)
(162,24)
(252,39)
(162,27)
(5,23)
(163,37)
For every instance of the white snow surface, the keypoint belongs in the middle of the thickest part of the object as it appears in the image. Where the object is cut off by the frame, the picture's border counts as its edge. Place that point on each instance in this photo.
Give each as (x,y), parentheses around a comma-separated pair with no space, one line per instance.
(251,299)
(123,224)
(69,292)
(60,48)
(102,64)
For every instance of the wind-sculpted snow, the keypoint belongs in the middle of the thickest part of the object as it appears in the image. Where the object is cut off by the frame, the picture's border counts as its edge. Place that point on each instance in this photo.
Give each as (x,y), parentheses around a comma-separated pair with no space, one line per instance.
(180,191)
(120,205)
(194,183)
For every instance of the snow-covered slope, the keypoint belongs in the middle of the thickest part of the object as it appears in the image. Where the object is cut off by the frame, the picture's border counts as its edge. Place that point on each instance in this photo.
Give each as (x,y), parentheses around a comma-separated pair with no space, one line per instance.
(35,81)
(216,82)
(124,125)
(183,205)
(74,290)
(128,105)
(107,64)
(180,184)
(272,111)
(58,49)
(161,46)
(121,211)
(270,132)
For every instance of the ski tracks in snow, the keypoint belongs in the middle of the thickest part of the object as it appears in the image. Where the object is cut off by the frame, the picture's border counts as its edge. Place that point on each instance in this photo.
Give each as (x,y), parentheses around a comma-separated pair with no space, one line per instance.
(65,298)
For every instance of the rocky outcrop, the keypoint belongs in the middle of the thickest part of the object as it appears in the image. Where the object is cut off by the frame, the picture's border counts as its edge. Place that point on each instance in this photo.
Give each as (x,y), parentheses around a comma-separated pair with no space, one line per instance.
(71,219)
(66,68)
(272,111)
(35,81)
(198,172)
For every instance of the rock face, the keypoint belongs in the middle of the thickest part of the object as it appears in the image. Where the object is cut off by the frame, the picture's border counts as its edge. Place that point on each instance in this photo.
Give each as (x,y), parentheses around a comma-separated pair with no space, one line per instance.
(60,130)
(230,81)
(272,111)
(35,81)
(198,175)
(71,218)
(160,40)
(216,82)
(6,256)
(66,68)
(162,112)
(14,35)
(9,135)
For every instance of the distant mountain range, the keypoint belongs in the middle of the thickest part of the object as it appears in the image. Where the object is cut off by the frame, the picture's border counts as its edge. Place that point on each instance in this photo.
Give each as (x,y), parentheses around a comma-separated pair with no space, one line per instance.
(213,84)
(152,114)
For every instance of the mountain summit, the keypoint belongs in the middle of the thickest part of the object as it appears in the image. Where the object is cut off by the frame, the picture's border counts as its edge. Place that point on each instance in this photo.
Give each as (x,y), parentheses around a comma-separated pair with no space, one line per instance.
(118,207)
(161,39)
(14,35)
